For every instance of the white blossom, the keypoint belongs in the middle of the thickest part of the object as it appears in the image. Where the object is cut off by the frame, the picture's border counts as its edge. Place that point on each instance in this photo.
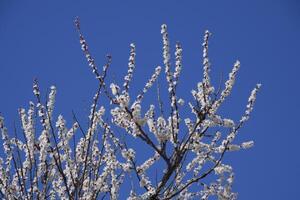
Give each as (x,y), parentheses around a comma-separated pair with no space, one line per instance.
(180,102)
(114,88)
(247,145)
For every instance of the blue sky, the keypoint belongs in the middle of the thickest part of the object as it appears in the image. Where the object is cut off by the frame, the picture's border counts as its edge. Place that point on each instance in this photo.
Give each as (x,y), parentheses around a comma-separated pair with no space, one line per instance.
(38,40)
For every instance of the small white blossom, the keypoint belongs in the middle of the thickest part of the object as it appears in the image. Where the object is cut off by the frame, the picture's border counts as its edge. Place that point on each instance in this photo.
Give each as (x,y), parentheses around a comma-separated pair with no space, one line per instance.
(114,88)
(180,102)
(247,145)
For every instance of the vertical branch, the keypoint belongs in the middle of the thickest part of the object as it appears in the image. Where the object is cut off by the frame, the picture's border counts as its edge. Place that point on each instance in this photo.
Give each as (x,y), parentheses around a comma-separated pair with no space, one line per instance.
(47,125)
(160,103)
(131,66)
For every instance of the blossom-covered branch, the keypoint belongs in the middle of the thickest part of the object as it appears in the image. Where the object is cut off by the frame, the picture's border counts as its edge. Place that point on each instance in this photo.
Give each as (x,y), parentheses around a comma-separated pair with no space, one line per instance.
(50,160)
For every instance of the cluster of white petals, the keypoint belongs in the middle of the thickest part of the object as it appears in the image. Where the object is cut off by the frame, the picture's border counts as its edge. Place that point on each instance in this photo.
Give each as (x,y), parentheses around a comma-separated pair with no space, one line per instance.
(131,66)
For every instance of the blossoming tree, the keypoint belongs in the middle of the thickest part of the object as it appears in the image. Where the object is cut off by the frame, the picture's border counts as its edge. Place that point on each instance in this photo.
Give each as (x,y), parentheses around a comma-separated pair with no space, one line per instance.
(50,161)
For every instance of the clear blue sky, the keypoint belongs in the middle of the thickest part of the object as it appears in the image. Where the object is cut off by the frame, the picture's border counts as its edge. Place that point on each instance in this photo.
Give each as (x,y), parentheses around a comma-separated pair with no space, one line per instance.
(38,40)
